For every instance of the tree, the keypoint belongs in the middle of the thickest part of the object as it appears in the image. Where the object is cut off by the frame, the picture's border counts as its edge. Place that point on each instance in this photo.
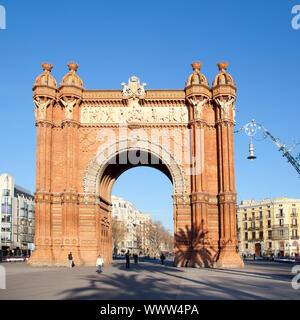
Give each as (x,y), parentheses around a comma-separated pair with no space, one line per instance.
(118,232)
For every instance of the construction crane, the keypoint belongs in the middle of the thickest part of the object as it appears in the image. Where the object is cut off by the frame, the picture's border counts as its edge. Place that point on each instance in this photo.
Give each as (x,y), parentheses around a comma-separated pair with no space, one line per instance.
(253,127)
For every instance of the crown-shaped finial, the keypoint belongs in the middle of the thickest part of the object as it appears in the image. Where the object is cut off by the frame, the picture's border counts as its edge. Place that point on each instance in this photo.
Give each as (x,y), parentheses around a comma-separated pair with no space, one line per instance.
(73,66)
(47,66)
(196,65)
(222,65)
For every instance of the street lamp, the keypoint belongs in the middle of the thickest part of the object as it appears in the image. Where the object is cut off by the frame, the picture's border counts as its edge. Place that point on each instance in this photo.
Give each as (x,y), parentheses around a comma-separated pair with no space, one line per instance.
(253,127)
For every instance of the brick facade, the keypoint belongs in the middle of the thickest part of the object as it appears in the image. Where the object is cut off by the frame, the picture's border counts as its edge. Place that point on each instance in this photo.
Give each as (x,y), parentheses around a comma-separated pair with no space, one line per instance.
(79,136)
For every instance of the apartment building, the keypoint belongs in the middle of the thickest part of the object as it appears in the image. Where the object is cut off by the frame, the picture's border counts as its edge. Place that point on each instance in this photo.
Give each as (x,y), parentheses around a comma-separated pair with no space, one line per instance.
(17,224)
(269,227)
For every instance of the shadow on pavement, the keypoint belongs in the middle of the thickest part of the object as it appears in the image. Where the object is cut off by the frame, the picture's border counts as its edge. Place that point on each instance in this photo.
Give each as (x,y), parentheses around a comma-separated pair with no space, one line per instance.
(154,281)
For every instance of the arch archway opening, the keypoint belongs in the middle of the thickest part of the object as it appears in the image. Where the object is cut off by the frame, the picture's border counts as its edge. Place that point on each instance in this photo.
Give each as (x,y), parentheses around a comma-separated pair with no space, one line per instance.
(121,162)
(113,169)
(142,213)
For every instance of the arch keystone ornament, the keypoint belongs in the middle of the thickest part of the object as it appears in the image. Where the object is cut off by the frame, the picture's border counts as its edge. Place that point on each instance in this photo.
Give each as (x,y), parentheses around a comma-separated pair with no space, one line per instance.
(87,138)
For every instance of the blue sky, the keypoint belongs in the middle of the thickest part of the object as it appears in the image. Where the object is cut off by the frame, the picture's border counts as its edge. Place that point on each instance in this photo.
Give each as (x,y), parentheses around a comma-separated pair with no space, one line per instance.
(157,41)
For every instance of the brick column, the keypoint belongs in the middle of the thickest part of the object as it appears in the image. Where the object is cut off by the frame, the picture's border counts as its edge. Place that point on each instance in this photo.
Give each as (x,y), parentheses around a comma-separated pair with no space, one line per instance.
(228,256)
(70,212)
(42,254)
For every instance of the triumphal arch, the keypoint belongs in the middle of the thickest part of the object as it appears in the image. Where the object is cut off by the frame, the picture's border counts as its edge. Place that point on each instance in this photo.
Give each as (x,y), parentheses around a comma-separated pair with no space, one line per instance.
(87,138)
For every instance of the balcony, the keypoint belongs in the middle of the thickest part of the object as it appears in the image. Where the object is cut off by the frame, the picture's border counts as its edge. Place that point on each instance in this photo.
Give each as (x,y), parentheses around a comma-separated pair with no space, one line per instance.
(283,226)
(294,237)
(256,239)
(279,215)
(251,218)
(259,218)
(294,225)
(294,215)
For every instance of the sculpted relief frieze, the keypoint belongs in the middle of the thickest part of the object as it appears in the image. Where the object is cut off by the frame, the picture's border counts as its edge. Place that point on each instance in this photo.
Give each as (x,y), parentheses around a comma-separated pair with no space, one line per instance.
(134,114)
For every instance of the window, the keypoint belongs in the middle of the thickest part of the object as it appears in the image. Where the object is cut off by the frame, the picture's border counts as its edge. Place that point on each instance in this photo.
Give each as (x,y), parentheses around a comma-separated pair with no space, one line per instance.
(246,236)
(245,225)
(294,222)
(261,235)
(270,234)
(281,222)
(5,192)
(260,214)
(270,245)
(253,225)
(269,214)
(281,212)
(245,216)
(261,224)
(269,223)
(294,212)
(253,215)
(294,233)
(253,235)
(246,245)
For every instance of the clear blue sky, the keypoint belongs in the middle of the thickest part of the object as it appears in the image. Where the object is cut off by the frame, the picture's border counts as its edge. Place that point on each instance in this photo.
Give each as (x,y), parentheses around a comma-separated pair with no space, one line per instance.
(157,41)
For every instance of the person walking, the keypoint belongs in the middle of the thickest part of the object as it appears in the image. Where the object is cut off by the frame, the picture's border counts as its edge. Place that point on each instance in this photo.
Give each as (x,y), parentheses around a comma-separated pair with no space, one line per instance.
(162,258)
(99,263)
(70,258)
(135,256)
(127,256)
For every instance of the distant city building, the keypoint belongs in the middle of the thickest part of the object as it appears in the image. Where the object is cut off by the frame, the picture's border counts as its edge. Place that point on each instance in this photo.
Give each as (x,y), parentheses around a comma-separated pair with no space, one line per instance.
(269,227)
(135,224)
(17,217)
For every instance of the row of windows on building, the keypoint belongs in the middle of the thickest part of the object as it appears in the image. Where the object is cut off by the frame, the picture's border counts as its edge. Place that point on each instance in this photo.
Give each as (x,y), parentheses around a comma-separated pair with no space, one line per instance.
(280,214)
(269,224)
(272,235)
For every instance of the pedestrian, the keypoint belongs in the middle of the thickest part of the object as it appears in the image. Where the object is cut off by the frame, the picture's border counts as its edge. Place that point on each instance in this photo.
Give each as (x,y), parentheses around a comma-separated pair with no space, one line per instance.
(70,258)
(99,264)
(162,258)
(127,256)
(135,256)
(253,256)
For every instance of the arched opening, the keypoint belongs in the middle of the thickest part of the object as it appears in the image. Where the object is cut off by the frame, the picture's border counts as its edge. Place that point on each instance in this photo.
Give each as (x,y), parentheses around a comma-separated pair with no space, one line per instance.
(139,241)
(114,158)
(121,163)
(142,214)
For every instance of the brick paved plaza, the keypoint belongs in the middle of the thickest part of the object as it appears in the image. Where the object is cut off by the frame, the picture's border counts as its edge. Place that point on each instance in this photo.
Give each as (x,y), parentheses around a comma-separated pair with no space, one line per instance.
(150,280)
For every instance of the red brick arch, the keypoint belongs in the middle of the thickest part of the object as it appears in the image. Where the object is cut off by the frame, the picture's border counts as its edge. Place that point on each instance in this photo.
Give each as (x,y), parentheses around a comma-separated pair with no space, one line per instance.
(74,173)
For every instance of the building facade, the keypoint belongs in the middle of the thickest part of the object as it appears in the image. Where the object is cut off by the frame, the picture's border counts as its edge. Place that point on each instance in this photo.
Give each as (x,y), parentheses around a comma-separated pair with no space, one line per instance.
(135,224)
(17,218)
(269,227)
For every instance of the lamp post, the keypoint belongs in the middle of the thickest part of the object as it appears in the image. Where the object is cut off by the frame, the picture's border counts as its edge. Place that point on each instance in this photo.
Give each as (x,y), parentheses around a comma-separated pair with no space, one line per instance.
(253,127)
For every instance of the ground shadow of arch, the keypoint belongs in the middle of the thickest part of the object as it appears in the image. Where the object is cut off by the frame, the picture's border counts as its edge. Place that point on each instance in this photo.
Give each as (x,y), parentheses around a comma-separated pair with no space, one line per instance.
(194,248)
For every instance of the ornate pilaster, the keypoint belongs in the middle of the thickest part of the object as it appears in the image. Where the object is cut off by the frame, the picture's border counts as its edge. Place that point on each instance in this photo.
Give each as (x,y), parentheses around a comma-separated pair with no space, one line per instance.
(224,94)
(182,230)
(198,95)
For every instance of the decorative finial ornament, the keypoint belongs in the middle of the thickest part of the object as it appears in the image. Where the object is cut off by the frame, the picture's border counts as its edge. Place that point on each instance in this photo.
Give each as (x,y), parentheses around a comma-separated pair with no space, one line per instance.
(196,65)
(196,77)
(47,66)
(223,77)
(45,79)
(71,78)
(222,66)
(73,66)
